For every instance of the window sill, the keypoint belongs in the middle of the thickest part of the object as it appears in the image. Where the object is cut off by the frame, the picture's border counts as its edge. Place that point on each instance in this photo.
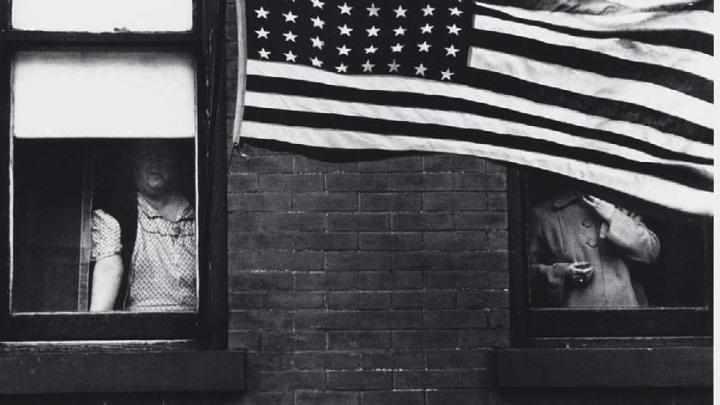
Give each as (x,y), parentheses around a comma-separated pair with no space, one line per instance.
(154,371)
(605,367)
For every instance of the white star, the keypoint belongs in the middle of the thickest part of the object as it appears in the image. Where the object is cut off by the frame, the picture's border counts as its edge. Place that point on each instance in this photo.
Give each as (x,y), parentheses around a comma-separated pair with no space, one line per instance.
(370,49)
(446,74)
(455,11)
(453,29)
(264,54)
(316,62)
(261,33)
(451,50)
(397,47)
(367,66)
(318,3)
(289,36)
(344,9)
(400,31)
(428,10)
(373,31)
(317,43)
(262,13)
(420,70)
(424,47)
(400,12)
(373,11)
(341,68)
(344,50)
(317,22)
(345,30)
(289,56)
(290,17)
(426,29)
(394,66)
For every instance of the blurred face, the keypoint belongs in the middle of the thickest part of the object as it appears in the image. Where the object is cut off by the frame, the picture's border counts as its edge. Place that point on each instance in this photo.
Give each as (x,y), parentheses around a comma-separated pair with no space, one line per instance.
(155,168)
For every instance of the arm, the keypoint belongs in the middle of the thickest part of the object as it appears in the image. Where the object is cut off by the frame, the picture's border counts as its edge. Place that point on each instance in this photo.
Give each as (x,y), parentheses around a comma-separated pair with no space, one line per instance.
(634,240)
(107,277)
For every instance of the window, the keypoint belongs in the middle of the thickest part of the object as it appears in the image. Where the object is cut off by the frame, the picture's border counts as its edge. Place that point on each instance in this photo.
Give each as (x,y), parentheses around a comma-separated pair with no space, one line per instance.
(87,87)
(661,292)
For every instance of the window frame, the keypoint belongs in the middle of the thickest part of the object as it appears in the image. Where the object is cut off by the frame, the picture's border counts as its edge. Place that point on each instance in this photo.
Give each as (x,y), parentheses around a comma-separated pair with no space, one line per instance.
(207,327)
(565,327)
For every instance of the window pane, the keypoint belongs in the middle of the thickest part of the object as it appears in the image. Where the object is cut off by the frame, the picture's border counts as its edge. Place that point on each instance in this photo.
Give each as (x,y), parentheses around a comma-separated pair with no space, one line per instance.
(103,94)
(102,15)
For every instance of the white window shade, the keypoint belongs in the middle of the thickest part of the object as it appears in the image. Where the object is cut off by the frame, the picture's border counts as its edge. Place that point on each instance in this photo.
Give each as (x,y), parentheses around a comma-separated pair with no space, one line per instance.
(102,15)
(103,95)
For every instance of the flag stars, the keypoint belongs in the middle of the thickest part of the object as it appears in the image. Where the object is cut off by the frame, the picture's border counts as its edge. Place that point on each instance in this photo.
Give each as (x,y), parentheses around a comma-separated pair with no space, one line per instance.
(316,62)
(262,13)
(317,43)
(373,11)
(372,31)
(290,17)
(428,11)
(370,49)
(397,48)
(453,29)
(290,57)
(344,50)
(424,47)
(345,9)
(420,70)
(289,36)
(451,51)
(446,74)
(345,30)
(367,66)
(400,12)
(399,31)
(426,29)
(455,11)
(317,22)
(264,54)
(318,4)
(261,33)
(394,66)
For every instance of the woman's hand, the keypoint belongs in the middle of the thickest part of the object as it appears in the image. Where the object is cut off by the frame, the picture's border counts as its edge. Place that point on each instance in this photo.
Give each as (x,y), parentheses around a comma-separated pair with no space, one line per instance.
(579,274)
(603,208)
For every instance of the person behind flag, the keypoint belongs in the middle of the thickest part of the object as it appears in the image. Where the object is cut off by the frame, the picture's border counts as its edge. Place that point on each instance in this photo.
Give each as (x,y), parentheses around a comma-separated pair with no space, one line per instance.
(581,248)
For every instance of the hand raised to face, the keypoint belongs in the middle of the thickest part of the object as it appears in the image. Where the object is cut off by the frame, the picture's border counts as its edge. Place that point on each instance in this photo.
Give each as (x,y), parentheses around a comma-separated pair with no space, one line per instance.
(603,208)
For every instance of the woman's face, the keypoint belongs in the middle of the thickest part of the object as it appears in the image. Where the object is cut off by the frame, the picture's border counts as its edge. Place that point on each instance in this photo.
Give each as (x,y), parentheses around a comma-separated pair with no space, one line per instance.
(155,168)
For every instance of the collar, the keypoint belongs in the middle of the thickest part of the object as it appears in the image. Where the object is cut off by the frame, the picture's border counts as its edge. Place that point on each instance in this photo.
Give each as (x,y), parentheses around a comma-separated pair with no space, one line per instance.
(566,198)
(185,211)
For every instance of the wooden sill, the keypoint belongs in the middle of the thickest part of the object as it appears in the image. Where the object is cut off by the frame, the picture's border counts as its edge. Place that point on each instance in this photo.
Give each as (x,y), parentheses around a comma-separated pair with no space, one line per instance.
(161,371)
(605,367)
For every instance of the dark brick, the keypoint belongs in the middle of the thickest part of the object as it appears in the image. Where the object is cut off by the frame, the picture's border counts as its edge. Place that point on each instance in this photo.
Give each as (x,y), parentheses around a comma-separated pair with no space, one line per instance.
(326,398)
(358,222)
(269,361)
(497,201)
(357,182)
(244,340)
(326,360)
(439,260)
(423,299)
(454,319)
(455,240)
(242,183)
(354,340)
(378,320)
(496,167)
(295,300)
(359,300)
(273,222)
(480,182)
(255,240)
(260,320)
(262,164)
(454,201)
(498,240)
(393,398)
(289,341)
(325,281)
(483,338)
(264,280)
(360,380)
(419,182)
(356,261)
(459,359)
(481,220)
(292,380)
(456,279)
(393,360)
(325,241)
(325,202)
(395,280)
(391,241)
(291,183)
(267,398)
(308,165)
(390,202)
(483,299)
(260,202)
(326,320)
(396,164)
(453,163)
(276,260)
(465,397)
(498,318)
(499,280)
(437,379)
(424,339)
(422,222)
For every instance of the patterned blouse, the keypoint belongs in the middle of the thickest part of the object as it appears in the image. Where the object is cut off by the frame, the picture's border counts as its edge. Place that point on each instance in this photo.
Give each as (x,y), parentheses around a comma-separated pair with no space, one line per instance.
(162,272)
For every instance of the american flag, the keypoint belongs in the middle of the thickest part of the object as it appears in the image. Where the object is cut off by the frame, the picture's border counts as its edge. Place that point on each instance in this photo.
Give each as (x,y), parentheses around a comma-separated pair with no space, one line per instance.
(623,99)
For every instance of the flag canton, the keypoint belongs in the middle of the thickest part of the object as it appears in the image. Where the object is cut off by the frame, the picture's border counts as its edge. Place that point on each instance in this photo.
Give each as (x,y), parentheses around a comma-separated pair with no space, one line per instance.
(416,38)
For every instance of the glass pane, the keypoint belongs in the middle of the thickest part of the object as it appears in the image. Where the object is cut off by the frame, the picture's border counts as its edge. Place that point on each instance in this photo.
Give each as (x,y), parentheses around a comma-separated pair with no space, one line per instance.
(103,95)
(103,225)
(102,15)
